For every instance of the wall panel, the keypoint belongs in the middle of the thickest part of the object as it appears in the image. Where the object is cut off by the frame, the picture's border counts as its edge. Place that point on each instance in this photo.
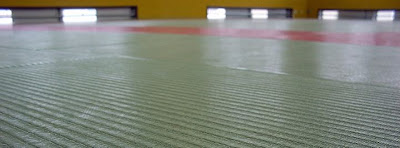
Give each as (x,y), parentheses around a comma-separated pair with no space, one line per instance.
(171,9)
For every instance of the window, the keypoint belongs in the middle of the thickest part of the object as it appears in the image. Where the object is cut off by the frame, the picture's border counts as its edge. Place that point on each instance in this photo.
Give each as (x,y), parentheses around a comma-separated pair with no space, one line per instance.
(216,13)
(5,16)
(259,13)
(330,14)
(385,15)
(79,15)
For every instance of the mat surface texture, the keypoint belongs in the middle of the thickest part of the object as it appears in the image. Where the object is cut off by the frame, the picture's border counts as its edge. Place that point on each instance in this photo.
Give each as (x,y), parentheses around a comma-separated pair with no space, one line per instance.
(199,83)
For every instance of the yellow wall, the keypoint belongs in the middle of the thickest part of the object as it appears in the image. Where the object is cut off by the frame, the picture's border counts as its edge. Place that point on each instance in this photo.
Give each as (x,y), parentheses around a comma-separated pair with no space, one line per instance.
(170,9)
(163,9)
(314,5)
(65,3)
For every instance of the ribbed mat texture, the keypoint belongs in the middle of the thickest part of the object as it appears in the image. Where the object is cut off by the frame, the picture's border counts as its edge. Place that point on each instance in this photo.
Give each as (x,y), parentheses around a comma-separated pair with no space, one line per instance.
(118,101)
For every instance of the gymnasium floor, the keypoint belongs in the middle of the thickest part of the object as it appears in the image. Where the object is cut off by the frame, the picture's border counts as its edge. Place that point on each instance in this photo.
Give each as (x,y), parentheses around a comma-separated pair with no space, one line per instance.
(199,83)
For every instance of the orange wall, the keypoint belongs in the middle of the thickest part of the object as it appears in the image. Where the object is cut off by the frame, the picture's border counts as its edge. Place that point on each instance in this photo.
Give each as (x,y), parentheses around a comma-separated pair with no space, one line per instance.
(314,5)
(169,9)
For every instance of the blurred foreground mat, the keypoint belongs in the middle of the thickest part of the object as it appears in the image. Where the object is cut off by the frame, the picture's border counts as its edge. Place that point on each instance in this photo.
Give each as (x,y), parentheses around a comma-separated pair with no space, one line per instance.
(119,101)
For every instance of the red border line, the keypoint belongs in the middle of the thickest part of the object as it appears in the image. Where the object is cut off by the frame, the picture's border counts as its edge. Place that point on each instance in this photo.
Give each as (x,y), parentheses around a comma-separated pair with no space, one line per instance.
(373,39)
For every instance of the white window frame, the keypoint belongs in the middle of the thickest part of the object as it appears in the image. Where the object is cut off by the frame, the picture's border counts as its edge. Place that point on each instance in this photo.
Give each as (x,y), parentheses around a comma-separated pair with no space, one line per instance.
(79,15)
(216,13)
(259,13)
(6,17)
(330,14)
(385,15)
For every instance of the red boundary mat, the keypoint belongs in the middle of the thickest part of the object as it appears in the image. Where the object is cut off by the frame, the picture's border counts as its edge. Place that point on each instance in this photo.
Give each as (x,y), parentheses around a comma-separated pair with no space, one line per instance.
(374,39)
